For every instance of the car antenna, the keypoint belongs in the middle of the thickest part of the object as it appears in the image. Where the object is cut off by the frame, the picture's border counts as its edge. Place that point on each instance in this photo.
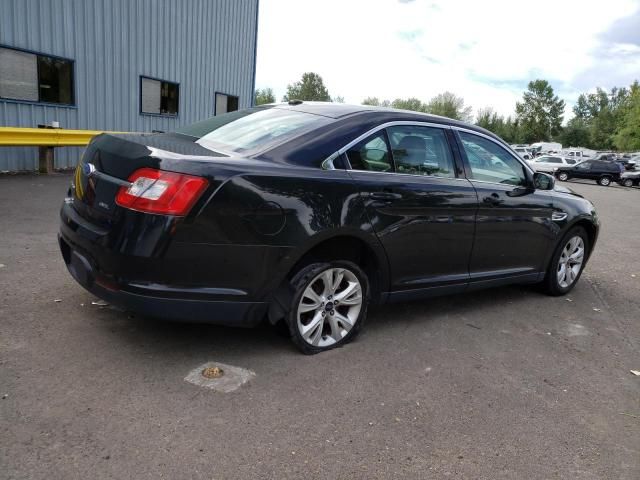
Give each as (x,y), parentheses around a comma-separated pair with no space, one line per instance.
(295,101)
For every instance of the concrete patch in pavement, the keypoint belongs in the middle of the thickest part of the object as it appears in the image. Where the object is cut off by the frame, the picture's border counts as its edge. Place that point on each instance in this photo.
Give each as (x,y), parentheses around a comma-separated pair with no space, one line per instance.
(231,379)
(576,330)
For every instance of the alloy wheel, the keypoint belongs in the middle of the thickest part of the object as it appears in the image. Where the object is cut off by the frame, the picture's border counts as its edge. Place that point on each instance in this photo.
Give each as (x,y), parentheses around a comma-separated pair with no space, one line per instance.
(605,181)
(570,262)
(563,177)
(329,307)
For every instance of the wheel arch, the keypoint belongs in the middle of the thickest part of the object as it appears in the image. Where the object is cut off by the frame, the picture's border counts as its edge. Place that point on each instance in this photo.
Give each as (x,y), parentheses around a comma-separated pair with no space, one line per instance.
(590,228)
(589,225)
(365,251)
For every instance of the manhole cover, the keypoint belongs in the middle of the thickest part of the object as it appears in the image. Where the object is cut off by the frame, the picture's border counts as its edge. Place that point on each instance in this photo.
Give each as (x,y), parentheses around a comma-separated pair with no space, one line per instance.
(219,376)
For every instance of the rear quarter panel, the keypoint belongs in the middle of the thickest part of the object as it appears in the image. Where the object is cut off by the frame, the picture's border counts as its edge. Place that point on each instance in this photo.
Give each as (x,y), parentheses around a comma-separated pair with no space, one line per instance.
(258,224)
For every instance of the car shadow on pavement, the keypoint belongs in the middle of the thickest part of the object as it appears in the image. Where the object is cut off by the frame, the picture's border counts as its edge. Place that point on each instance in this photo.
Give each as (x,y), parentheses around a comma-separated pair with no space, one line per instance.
(197,339)
(463,304)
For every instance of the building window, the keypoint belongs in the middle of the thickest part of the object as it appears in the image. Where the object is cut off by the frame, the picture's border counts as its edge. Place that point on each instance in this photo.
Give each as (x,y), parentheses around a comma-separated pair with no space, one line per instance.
(158,97)
(33,77)
(225,103)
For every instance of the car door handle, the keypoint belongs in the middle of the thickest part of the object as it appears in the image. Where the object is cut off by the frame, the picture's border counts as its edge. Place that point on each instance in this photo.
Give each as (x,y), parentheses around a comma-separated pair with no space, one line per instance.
(385,196)
(493,199)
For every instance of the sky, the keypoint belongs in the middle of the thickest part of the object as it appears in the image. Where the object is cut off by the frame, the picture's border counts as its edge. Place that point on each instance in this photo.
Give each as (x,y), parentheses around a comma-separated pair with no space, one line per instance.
(484,50)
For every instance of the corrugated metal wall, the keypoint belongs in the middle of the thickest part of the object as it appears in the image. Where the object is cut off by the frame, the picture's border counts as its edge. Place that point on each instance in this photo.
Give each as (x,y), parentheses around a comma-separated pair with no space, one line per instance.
(206,46)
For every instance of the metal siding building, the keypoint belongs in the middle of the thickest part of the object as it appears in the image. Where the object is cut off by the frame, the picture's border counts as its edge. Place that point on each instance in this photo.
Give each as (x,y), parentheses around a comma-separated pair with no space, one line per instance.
(204,46)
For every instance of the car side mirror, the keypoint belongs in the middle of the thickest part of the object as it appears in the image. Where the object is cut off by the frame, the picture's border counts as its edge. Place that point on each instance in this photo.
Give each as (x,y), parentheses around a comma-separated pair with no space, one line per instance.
(543,181)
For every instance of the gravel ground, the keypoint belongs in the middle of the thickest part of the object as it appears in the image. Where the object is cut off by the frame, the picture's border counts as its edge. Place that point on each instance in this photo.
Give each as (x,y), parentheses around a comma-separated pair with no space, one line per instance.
(504,383)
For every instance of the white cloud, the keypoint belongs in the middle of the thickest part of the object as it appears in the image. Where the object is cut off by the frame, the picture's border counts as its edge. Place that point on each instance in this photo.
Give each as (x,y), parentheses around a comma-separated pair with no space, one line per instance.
(485,51)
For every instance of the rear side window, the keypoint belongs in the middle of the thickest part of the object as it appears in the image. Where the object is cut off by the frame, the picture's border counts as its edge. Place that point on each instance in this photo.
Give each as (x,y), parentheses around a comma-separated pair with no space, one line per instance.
(371,154)
(421,151)
(570,161)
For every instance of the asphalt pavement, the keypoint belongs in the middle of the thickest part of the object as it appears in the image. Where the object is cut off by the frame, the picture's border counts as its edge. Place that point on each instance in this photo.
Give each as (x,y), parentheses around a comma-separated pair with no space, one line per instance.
(504,383)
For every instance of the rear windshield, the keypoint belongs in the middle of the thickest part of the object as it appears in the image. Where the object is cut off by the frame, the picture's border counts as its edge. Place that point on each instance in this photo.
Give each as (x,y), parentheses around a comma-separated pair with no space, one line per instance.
(252,130)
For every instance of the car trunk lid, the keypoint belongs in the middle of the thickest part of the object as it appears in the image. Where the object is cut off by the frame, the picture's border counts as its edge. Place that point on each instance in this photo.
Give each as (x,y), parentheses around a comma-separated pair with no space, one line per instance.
(110,160)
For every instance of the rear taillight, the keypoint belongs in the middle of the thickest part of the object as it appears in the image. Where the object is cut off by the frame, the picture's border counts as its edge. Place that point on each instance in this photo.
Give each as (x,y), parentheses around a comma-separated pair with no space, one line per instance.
(156,191)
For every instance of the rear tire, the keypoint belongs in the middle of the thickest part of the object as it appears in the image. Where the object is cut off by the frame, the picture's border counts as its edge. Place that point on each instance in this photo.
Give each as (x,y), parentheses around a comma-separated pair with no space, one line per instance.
(567,263)
(563,176)
(328,305)
(605,181)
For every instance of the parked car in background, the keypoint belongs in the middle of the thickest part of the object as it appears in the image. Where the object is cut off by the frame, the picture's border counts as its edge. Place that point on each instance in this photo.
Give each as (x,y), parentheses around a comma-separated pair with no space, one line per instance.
(603,172)
(546,147)
(605,156)
(580,154)
(630,179)
(523,152)
(551,163)
(305,213)
(627,162)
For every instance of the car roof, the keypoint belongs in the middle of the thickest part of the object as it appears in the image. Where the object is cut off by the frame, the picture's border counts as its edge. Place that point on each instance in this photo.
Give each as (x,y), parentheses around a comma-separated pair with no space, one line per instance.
(350,121)
(341,110)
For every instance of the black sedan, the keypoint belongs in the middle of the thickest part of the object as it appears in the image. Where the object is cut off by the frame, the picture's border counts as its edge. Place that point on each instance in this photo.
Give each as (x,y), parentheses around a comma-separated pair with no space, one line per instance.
(307,213)
(630,179)
(601,171)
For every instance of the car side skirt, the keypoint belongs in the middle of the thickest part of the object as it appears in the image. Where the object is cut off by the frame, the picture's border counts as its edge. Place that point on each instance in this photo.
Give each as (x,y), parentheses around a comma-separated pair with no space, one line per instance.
(479,283)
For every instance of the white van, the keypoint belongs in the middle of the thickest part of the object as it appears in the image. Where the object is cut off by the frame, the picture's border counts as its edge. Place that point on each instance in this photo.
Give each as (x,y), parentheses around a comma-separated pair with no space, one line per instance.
(546,147)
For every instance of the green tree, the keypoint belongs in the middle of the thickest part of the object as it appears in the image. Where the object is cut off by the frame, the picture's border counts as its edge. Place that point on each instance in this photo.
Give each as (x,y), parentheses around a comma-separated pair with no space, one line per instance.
(627,136)
(512,131)
(412,104)
(338,99)
(576,133)
(449,105)
(375,102)
(445,104)
(540,114)
(486,118)
(310,87)
(506,129)
(601,112)
(582,109)
(264,96)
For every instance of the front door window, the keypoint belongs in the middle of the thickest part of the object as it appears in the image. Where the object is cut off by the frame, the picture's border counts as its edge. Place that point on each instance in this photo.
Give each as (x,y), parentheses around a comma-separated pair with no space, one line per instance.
(489,162)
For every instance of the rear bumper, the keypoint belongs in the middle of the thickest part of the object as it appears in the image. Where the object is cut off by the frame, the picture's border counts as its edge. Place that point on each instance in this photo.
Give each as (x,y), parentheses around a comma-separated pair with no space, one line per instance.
(155,301)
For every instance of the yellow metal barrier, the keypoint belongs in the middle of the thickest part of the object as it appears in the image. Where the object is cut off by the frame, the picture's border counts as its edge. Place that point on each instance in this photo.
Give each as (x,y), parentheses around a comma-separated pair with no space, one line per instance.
(45,137)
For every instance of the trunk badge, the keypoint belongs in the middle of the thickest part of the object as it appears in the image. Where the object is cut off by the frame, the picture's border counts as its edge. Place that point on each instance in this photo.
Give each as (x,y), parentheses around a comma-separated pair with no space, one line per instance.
(88,169)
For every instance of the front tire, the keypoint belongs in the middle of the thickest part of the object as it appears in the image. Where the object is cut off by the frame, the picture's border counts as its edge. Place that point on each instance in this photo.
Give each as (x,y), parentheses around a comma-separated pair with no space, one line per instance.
(328,305)
(604,181)
(567,263)
(627,182)
(563,176)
